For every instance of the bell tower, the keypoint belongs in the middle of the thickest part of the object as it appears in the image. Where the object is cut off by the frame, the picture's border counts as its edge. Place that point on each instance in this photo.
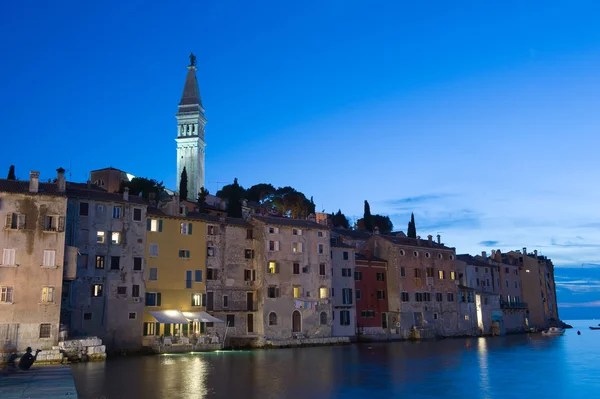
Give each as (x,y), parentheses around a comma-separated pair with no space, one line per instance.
(190,134)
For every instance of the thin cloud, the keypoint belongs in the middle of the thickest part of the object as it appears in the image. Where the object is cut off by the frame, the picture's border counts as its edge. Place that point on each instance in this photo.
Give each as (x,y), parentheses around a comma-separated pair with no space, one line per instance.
(489,243)
(593,304)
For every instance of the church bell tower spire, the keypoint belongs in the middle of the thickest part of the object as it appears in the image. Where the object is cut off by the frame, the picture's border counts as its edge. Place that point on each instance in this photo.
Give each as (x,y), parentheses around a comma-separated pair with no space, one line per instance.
(190,134)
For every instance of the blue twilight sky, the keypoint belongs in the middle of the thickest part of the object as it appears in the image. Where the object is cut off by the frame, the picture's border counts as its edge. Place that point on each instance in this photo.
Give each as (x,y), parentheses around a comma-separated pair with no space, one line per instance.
(481,117)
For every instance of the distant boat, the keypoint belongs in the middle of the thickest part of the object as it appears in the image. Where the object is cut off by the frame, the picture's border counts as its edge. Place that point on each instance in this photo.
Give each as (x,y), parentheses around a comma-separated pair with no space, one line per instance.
(594,328)
(552,331)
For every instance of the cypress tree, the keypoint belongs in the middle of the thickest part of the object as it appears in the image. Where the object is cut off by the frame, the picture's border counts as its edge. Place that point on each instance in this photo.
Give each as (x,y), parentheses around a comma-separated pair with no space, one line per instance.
(11,173)
(412,229)
(367,219)
(202,199)
(183,185)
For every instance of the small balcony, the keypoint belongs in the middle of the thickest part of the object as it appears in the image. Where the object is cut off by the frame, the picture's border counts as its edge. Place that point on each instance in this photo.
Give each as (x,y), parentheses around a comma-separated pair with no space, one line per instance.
(513,305)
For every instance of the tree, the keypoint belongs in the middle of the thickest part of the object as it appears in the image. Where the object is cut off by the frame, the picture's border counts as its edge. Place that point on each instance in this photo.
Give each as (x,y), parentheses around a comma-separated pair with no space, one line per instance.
(143,187)
(183,185)
(411,232)
(340,220)
(367,219)
(384,223)
(11,173)
(234,205)
(202,199)
(261,192)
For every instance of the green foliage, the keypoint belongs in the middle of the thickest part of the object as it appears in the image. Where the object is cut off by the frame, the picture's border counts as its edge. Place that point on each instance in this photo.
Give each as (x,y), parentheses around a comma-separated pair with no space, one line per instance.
(340,220)
(143,187)
(234,204)
(383,222)
(284,200)
(412,229)
(183,185)
(11,173)
(202,195)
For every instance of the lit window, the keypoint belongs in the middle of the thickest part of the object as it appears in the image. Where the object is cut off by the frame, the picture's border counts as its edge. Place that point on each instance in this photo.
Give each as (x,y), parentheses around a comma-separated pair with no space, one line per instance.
(452,275)
(441,274)
(116,237)
(196,299)
(466,317)
(154,225)
(323,291)
(296,247)
(97,290)
(297,292)
(47,294)
(100,237)
(272,268)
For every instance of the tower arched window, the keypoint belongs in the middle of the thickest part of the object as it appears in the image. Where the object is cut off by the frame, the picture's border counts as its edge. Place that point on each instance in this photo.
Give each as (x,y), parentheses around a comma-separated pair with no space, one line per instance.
(193,128)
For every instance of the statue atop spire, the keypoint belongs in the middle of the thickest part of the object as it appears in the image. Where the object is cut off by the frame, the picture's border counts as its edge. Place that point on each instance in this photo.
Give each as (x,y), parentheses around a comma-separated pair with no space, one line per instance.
(192,59)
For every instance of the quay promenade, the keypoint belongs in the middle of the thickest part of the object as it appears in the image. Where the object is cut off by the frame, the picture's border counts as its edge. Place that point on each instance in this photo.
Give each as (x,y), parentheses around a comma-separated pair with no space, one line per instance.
(47,382)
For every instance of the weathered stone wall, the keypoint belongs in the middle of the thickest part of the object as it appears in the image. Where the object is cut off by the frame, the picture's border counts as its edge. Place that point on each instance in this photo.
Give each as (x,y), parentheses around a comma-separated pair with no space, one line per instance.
(338,283)
(28,275)
(110,313)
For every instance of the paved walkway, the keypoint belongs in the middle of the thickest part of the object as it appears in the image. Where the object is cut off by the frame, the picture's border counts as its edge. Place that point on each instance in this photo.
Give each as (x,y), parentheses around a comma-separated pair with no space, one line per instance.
(40,382)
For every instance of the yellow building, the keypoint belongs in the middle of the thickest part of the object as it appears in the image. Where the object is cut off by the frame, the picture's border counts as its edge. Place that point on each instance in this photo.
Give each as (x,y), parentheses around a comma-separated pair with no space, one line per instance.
(175,275)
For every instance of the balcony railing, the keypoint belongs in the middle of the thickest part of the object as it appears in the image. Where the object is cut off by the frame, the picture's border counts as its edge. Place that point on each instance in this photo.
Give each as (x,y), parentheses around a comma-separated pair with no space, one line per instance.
(513,305)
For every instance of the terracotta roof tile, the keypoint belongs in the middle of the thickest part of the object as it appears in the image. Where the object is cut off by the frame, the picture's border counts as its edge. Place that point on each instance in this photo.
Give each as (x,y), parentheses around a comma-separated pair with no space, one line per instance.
(22,187)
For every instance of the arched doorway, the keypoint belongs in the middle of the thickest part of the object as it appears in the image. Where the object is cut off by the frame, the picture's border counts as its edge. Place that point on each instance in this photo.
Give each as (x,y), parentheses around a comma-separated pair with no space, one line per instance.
(296,322)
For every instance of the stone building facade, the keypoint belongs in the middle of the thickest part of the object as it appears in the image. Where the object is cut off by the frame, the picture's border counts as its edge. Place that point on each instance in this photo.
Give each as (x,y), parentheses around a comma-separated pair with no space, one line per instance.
(479,295)
(32,216)
(231,275)
(539,291)
(342,289)
(422,284)
(293,278)
(107,297)
(515,312)
(371,294)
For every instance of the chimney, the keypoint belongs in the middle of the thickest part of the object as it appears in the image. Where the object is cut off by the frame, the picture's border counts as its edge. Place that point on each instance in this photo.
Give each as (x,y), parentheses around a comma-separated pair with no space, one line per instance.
(430,239)
(439,239)
(376,230)
(418,241)
(493,254)
(126,194)
(60,180)
(89,184)
(34,181)
(524,251)
(483,254)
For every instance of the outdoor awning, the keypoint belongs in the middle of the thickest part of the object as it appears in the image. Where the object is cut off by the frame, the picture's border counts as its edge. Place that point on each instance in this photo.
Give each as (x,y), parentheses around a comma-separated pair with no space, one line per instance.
(169,316)
(202,317)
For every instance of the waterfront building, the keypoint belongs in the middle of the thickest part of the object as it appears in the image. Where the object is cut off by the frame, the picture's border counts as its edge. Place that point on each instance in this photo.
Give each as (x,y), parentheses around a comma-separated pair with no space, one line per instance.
(478,295)
(421,283)
(190,134)
(515,312)
(342,289)
(293,282)
(539,291)
(108,231)
(230,277)
(371,288)
(175,273)
(32,246)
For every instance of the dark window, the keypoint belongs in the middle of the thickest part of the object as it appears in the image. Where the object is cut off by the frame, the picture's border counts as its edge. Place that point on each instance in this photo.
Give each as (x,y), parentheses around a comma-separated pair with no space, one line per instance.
(115,262)
(322,269)
(153,299)
(135,291)
(132,316)
(404,296)
(247,275)
(418,273)
(231,318)
(273,292)
(188,279)
(380,276)
(87,316)
(347,296)
(249,254)
(137,214)
(380,294)
(198,276)
(429,271)
(450,297)
(418,297)
(402,271)
(84,209)
(384,321)
(427,297)
(211,274)
(99,261)
(438,297)
(249,234)
(358,276)
(45,329)
(121,290)
(296,268)
(345,255)
(137,263)
(225,301)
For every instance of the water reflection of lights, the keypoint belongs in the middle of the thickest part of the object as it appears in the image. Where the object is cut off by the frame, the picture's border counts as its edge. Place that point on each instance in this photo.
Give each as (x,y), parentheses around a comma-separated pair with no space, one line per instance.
(188,375)
(484,377)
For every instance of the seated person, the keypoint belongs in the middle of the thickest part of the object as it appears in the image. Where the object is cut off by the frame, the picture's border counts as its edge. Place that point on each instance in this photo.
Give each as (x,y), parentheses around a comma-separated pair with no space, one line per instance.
(27,359)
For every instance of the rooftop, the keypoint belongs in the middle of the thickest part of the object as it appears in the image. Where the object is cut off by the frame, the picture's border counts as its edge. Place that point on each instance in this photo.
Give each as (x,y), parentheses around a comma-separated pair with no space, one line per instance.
(471,260)
(335,243)
(201,217)
(365,258)
(283,221)
(413,242)
(22,187)
(95,193)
